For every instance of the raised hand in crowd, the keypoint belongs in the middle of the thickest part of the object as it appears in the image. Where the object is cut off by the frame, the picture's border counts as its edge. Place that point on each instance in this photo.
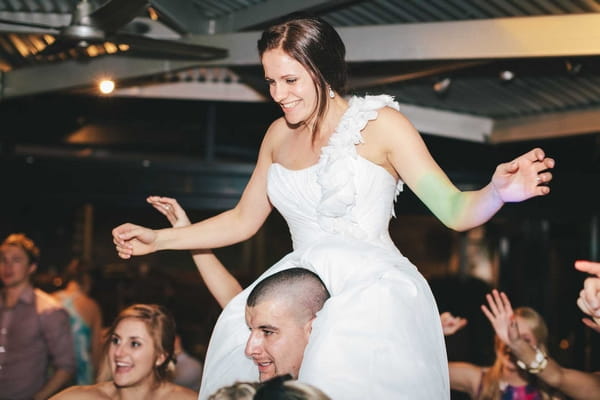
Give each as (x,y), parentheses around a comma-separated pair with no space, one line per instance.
(451,324)
(533,358)
(219,281)
(589,297)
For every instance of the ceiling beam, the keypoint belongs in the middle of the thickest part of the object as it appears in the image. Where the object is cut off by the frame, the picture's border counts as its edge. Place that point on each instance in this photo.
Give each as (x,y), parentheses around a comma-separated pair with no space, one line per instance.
(448,124)
(547,36)
(51,19)
(499,38)
(213,91)
(152,28)
(182,16)
(374,79)
(76,74)
(547,126)
(270,10)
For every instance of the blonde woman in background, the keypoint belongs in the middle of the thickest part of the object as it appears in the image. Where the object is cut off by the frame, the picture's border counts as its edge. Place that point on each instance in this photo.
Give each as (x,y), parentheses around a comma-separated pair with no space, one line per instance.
(139,350)
(505,379)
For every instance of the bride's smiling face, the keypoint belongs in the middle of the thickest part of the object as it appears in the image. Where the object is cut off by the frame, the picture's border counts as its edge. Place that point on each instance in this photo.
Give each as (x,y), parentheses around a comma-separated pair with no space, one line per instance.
(291,86)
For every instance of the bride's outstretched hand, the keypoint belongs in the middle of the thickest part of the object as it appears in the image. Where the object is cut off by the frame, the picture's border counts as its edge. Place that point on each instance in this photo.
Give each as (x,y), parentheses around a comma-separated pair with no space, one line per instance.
(501,316)
(133,240)
(525,177)
(171,209)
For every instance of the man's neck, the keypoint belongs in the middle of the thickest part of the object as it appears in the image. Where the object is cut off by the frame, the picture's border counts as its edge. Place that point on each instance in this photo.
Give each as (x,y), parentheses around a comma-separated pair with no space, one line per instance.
(11,294)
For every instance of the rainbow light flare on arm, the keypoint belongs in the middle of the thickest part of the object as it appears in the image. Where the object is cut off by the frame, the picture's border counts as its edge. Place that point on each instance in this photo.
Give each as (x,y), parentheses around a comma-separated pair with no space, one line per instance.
(455,209)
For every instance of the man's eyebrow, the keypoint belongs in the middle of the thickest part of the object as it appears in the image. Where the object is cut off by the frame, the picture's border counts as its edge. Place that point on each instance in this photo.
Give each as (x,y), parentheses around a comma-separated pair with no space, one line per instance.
(268,327)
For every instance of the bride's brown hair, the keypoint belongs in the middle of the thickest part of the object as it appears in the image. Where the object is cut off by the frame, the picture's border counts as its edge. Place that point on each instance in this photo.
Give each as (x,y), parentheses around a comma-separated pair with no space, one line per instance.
(317,46)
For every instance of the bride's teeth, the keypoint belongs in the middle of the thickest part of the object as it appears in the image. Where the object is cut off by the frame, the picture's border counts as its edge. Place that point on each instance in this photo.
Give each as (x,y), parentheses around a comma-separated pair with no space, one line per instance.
(289,105)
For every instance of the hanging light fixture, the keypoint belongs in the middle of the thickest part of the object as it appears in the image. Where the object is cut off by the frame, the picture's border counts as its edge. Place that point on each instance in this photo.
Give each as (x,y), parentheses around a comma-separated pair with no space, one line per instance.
(106,86)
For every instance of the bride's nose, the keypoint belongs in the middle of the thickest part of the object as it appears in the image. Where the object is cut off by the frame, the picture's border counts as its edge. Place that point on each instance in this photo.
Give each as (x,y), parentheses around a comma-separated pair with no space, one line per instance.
(278,92)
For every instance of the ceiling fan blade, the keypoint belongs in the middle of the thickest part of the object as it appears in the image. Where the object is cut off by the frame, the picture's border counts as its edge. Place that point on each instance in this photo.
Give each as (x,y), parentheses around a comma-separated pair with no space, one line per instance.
(29,24)
(113,14)
(169,48)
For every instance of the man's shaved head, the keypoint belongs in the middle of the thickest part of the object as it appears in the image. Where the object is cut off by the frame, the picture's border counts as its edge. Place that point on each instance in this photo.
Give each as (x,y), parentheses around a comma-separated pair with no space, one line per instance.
(279,313)
(300,287)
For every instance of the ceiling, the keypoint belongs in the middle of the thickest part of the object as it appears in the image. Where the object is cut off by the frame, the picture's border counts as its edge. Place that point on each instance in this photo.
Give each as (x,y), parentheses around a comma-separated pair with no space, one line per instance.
(489,72)
(505,69)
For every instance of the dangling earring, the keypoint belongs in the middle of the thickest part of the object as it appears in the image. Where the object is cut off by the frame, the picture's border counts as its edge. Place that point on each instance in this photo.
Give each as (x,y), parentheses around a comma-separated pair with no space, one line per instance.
(331,92)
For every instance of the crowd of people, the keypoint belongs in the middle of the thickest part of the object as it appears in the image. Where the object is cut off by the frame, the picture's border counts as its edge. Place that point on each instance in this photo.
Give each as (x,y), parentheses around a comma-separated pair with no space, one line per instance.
(345,315)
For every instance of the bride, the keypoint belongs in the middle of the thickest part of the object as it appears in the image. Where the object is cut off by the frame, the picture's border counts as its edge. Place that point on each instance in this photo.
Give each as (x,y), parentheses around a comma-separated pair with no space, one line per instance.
(333,168)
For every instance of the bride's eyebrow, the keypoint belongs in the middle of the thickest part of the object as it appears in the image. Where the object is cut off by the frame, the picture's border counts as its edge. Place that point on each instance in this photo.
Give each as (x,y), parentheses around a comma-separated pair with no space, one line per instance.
(281,77)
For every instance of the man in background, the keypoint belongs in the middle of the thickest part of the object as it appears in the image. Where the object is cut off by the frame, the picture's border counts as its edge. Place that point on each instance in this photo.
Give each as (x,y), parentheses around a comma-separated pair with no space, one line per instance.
(34,329)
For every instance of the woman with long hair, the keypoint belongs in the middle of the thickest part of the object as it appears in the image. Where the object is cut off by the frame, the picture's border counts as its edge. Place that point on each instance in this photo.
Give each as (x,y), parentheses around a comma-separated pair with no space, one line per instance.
(138,352)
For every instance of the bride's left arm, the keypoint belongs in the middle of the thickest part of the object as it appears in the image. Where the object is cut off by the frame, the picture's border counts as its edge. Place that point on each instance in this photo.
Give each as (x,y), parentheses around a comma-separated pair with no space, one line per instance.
(407,153)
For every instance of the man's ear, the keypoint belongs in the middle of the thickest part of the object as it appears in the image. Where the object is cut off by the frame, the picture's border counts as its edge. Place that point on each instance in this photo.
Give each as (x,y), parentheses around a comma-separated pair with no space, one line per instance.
(308,326)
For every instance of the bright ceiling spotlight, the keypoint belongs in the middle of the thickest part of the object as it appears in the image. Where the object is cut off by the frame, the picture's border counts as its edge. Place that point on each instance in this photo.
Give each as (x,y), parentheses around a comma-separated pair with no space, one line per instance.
(507,75)
(106,86)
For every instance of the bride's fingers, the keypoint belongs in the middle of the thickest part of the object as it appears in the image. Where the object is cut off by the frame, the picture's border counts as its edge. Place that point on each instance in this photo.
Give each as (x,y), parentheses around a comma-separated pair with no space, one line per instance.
(545,164)
(544,177)
(536,154)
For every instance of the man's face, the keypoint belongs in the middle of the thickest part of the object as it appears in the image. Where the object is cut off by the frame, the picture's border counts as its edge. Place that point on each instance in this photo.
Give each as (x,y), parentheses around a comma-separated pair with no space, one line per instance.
(15,267)
(278,337)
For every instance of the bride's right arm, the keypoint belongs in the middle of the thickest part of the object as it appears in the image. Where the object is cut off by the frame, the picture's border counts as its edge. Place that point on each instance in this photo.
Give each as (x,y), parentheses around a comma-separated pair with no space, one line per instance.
(224,229)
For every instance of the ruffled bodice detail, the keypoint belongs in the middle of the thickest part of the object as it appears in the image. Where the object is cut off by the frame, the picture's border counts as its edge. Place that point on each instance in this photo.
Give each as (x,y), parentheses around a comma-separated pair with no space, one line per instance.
(324,199)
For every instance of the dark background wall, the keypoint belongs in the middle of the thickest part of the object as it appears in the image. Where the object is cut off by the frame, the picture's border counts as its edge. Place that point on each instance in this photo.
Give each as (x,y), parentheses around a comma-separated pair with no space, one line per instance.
(75,162)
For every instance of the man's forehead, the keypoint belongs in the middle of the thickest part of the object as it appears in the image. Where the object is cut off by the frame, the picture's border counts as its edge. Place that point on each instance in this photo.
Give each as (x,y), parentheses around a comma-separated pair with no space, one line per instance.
(271,312)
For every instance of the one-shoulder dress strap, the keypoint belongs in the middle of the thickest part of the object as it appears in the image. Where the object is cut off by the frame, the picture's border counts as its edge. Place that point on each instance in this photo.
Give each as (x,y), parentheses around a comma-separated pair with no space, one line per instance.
(336,170)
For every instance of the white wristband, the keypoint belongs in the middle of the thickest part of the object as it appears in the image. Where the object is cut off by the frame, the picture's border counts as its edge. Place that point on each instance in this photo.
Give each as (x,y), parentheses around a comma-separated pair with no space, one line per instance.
(538,364)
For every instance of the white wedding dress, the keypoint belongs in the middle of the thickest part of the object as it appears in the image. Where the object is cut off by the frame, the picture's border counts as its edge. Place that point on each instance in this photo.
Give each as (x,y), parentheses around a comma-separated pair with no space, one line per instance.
(379,335)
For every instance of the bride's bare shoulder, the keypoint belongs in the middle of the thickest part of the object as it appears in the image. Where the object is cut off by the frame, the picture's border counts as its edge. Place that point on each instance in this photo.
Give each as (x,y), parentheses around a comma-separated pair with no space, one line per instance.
(277,133)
